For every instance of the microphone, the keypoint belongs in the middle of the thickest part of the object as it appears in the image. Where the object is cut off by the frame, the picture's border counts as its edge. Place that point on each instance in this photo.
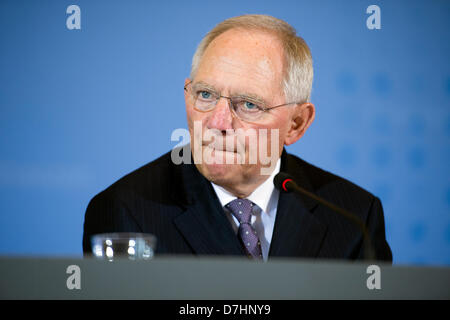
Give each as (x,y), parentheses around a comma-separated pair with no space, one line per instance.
(285,183)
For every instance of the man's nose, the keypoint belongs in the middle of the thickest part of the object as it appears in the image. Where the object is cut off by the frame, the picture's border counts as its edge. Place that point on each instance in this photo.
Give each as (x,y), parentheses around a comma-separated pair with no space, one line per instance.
(221,117)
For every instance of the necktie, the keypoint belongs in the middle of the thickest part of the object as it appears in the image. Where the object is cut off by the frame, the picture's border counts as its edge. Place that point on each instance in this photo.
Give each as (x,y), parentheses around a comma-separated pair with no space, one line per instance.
(242,210)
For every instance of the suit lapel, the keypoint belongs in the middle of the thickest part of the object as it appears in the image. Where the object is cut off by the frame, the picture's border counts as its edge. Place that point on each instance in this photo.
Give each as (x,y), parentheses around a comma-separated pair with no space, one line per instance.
(203,222)
(297,232)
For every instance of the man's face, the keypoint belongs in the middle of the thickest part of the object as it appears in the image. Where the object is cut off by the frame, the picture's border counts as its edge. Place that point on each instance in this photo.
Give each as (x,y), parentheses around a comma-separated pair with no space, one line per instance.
(239,63)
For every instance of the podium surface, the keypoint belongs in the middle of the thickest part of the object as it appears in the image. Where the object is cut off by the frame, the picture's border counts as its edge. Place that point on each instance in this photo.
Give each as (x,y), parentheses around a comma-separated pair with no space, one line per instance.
(220,278)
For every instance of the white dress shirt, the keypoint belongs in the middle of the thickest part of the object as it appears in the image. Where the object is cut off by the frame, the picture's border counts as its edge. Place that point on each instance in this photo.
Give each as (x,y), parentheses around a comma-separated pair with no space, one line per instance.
(265,197)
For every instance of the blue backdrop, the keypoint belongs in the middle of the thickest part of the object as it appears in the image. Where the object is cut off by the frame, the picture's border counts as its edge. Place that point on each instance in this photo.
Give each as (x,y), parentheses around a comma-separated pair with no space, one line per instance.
(81,108)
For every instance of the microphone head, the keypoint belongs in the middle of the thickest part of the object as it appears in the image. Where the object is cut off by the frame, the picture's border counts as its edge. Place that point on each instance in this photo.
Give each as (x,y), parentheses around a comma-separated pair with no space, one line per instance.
(281,181)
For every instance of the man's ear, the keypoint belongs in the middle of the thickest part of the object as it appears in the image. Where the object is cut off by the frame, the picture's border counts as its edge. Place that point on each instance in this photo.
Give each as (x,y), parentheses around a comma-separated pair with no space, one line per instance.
(186,81)
(302,117)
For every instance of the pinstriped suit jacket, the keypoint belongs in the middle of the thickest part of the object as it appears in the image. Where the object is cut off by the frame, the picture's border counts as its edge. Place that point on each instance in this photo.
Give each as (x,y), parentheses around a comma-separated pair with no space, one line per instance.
(178,205)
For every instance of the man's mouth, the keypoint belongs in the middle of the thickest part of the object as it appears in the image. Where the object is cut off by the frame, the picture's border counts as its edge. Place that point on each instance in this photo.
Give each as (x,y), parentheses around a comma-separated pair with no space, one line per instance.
(220,145)
(218,148)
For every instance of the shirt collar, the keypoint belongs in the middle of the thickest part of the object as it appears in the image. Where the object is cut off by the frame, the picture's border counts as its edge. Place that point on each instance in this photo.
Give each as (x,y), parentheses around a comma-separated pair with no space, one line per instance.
(260,196)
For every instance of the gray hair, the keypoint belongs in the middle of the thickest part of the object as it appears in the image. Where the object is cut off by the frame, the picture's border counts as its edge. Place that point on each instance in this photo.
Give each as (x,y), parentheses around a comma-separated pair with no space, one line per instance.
(298,70)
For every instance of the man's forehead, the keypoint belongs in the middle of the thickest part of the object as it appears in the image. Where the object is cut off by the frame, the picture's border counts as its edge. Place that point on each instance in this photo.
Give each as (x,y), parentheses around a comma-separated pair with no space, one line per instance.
(253,56)
(247,36)
(250,47)
(258,68)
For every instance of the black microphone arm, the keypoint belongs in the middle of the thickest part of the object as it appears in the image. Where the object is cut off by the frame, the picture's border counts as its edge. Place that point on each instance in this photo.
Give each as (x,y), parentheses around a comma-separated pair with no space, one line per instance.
(285,183)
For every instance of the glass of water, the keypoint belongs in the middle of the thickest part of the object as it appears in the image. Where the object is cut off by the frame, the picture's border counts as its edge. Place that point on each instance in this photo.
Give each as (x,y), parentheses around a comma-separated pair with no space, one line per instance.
(130,245)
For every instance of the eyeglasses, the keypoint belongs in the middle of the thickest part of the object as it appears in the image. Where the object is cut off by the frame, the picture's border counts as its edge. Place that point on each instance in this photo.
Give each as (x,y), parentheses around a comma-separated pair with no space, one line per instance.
(246,108)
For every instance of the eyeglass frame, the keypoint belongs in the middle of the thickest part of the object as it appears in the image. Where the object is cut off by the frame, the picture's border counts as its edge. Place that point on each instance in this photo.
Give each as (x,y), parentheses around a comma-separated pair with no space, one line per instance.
(231,105)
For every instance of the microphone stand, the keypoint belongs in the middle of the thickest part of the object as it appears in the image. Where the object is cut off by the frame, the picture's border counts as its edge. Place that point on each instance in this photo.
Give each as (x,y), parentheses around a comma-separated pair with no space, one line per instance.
(369,253)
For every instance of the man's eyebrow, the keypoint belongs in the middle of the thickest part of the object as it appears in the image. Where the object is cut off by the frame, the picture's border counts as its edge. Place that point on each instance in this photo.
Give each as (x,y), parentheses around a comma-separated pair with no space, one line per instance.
(243,95)
(251,96)
(204,85)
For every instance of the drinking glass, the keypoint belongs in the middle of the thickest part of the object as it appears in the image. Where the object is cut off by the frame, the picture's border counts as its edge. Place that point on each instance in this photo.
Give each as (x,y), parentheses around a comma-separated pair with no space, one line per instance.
(130,245)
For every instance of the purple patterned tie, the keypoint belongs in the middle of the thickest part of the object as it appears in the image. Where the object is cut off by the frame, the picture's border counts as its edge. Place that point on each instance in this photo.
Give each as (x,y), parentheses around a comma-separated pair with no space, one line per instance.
(242,210)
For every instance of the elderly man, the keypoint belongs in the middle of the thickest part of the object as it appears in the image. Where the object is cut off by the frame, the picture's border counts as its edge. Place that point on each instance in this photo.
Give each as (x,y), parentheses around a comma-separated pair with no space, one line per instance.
(249,74)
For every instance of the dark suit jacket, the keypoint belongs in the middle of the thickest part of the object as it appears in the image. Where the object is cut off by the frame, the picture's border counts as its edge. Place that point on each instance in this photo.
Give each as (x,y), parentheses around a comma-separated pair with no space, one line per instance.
(178,205)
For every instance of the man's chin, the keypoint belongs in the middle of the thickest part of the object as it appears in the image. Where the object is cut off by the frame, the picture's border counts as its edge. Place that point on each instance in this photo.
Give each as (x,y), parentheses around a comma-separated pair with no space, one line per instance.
(219,166)
(220,173)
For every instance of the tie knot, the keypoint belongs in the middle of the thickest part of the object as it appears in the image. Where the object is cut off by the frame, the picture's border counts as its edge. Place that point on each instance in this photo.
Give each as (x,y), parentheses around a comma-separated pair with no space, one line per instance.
(241,209)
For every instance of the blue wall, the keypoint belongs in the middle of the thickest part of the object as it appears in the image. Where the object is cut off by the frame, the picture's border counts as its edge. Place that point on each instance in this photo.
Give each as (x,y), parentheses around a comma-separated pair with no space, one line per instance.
(81,108)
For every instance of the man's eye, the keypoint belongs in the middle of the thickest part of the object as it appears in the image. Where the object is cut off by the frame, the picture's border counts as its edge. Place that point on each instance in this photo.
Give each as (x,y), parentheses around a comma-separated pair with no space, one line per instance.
(205,95)
(249,105)
(246,106)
